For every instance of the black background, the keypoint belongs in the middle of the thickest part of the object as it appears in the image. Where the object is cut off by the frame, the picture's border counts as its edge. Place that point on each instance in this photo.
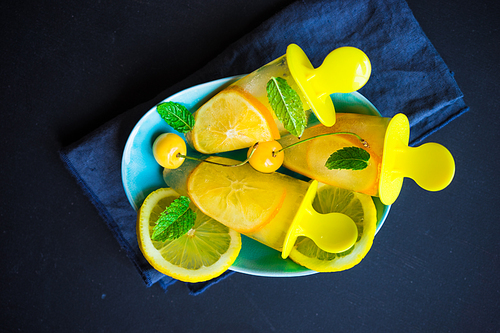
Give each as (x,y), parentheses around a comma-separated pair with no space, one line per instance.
(69,66)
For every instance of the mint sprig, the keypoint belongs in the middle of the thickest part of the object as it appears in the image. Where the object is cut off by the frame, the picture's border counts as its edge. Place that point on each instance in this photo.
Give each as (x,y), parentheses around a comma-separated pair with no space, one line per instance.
(174,221)
(353,158)
(287,105)
(176,115)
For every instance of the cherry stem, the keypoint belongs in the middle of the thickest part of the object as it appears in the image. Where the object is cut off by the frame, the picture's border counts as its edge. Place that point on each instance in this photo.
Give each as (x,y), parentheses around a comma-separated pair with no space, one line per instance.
(179,155)
(363,142)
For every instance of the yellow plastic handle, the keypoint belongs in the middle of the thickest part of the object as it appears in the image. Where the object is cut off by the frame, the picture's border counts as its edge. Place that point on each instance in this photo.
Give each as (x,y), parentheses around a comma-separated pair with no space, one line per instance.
(431,165)
(344,70)
(333,232)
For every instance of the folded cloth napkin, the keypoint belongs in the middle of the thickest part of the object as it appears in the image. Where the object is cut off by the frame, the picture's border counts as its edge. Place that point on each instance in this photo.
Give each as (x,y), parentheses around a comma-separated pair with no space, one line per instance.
(408,76)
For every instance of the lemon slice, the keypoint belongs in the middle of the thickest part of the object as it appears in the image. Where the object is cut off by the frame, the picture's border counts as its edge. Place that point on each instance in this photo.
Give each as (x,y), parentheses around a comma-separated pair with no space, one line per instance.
(364,181)
(204,252)
(309,159)
(241,198)
(360,208)
(233,119)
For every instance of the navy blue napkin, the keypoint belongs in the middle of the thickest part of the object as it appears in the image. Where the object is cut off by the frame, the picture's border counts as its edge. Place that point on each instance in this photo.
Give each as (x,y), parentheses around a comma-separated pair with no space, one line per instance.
(408,76)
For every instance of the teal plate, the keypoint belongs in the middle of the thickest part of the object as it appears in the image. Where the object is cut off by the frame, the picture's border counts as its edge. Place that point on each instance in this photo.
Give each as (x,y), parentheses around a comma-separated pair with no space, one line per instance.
(141,175)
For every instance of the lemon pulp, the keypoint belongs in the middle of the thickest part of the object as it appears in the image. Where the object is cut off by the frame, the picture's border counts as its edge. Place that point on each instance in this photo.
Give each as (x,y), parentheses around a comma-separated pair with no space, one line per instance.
(241,198)
(233,119)
(204,252)
(360,208)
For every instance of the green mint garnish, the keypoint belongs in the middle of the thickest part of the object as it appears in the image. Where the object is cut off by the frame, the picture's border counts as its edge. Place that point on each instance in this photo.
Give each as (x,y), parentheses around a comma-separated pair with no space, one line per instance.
(174,221)
(354,158)
(176,115)
(287,105)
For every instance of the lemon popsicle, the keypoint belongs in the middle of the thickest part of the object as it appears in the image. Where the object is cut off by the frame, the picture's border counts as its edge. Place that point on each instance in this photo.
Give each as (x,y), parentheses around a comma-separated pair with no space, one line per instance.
(390,159)
(277,99)
(309,157)
(240,197)
(273,209)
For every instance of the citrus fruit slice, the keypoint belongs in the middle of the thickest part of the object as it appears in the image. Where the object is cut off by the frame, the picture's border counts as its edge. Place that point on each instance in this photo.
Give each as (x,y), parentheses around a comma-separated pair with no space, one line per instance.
(204,252)
(240,197)
(364,181)
(360,208)
(309,159)
(233,119)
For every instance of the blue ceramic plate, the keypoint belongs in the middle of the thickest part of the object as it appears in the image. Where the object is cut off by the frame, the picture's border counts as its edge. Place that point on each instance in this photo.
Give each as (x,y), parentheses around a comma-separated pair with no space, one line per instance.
(141,174)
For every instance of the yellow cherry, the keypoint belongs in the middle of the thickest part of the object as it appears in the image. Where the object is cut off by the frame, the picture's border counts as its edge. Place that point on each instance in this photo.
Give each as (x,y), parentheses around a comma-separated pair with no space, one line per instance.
(266,157)
(167,149)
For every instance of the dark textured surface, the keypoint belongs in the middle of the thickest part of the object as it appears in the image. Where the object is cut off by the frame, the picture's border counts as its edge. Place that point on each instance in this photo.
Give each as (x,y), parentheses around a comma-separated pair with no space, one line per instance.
(385,29)
(68,67)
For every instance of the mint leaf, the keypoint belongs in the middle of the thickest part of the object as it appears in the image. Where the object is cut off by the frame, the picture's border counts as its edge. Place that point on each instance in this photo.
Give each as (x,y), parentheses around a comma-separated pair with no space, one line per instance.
(174,221)
(176,115)
(354,158)
(287,105)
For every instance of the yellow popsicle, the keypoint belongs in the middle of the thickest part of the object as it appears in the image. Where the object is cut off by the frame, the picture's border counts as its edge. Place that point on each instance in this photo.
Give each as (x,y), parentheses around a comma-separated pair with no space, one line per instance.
(261,105)
(262,206)
(391,159)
